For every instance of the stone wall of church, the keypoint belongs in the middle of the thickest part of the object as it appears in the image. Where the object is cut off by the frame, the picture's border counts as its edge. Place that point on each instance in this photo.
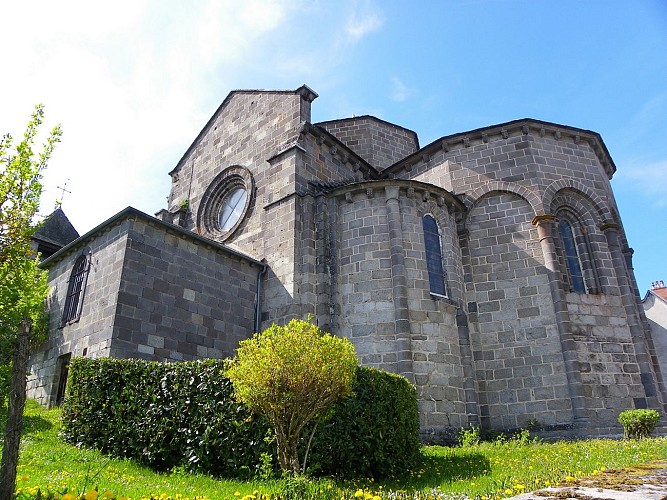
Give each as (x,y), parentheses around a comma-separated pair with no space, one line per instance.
(180,298)
(519,363)
(91,335)
(384,304)
(380,143)
(521,359)
(607,361)
(256,131)
(153,292)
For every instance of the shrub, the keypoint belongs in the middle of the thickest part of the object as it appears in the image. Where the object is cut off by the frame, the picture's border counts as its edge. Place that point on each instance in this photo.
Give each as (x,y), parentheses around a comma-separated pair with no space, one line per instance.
(175,416)
(469,437)
(164,415)
(638,424)
(373,433)
(291,375)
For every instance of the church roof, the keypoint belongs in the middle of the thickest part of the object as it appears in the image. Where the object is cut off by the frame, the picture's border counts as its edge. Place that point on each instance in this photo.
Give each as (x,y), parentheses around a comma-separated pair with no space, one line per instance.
(131,213)
(56,229)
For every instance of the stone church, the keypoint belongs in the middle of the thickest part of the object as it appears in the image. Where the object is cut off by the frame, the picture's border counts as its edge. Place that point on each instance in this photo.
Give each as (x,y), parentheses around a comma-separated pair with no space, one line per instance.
(489,267)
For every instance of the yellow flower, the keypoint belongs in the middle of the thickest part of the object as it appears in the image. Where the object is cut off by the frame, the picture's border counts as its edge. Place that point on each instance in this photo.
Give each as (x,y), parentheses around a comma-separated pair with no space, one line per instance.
(25,478)
(358,493)
(108,494)
(91,495)
(68,496)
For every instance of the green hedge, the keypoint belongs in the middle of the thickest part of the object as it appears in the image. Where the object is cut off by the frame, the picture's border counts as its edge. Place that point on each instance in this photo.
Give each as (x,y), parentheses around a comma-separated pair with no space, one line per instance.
(184,414)
(163,414)
(638,424)
(374,433)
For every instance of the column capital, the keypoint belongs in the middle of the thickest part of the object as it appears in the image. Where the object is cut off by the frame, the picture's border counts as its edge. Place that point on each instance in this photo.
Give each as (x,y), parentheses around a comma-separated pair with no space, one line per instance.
(543,218)
(609,225)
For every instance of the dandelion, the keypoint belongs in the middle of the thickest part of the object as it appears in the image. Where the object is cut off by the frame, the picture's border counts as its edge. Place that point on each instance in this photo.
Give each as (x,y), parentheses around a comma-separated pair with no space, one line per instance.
(359,494)
(68,496)
(91,495)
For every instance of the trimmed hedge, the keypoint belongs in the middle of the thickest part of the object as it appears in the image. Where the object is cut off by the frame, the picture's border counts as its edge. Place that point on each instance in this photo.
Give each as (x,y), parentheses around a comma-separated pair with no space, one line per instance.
(163,414)
(374,433)
(184,414)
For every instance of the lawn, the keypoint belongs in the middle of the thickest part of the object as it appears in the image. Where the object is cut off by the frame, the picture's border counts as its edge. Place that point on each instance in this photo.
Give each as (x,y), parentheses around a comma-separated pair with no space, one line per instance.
(486,471)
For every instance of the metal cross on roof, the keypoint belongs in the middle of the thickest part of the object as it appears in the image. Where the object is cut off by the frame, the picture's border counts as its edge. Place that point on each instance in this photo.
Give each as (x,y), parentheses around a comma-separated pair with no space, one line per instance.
(62,194)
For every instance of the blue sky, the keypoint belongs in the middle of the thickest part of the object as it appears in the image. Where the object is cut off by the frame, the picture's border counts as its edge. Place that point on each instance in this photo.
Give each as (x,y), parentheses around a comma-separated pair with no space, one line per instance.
(132,82)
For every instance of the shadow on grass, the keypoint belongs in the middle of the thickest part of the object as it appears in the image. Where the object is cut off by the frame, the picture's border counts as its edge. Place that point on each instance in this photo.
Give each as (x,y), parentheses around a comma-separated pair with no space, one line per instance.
(31,423)
(435,470)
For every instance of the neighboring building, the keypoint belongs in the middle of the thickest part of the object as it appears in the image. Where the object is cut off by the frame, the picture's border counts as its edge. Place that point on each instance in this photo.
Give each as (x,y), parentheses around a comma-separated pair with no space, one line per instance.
(655,309)
(490,267)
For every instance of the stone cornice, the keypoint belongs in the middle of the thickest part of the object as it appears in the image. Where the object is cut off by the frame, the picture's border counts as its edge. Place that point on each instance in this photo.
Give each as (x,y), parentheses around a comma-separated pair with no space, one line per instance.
(407,189)
(502,131)
(131,214)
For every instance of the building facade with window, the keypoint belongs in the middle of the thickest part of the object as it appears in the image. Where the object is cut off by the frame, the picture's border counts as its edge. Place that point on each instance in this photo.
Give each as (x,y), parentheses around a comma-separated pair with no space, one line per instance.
(490,267)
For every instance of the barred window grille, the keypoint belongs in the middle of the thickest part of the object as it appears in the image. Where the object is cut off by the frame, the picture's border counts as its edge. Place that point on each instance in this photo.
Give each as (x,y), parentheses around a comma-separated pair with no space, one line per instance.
(75,289)
(433,247)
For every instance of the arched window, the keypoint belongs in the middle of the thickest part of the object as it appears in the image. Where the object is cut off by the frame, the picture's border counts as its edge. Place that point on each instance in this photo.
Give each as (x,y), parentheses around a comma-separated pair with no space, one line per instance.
(571,254)
(436,272)
(75,289)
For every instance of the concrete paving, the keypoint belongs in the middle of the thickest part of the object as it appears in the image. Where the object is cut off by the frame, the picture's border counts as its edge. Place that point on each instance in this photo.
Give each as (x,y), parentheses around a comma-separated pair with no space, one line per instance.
(641,482)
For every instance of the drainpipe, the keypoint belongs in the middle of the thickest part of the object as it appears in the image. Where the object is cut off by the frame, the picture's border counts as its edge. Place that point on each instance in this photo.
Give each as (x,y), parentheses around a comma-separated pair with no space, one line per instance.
(258,295)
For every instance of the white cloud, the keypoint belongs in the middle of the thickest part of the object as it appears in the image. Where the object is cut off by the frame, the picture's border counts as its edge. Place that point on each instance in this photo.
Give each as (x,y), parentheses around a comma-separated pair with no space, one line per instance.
(131,84)
(363,21)
(226,29)
(399,90)
(650,179)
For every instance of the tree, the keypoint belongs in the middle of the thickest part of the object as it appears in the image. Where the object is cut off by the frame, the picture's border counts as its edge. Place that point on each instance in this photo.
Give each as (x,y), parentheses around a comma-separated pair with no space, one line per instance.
(292,375)
(22,284)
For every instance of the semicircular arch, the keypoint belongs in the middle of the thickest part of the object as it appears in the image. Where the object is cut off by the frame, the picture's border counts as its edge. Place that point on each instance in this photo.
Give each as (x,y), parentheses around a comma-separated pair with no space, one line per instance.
(579,189)
(524,192)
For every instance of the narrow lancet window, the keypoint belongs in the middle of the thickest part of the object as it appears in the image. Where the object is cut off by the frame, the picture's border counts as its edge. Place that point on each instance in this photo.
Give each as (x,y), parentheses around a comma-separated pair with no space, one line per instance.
(571,257)
(436,272)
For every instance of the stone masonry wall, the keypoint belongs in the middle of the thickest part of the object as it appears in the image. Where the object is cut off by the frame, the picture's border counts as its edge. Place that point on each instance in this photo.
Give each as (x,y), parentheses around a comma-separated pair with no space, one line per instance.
(91,335)
(436,354)
(518,358)
(256,130)
(606,354)
(379,143)
(181,299)
(367,289)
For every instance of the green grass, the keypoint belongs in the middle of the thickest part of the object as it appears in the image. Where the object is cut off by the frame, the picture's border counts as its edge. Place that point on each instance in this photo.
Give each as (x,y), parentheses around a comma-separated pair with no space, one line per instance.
(487,470)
